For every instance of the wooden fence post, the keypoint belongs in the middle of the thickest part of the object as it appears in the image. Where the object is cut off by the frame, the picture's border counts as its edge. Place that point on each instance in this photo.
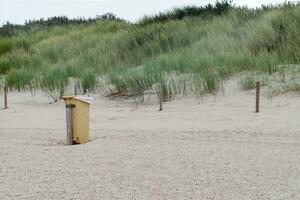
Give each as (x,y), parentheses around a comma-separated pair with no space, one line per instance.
(5,98)
(69,108)
(75,90)
(257,96)
(160,104)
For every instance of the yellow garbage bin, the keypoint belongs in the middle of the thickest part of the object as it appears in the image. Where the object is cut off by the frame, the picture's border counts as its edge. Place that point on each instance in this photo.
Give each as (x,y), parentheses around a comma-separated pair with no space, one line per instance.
(79,120)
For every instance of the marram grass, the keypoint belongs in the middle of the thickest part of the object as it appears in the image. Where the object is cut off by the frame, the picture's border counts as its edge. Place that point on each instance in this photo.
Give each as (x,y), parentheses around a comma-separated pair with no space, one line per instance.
(168,54)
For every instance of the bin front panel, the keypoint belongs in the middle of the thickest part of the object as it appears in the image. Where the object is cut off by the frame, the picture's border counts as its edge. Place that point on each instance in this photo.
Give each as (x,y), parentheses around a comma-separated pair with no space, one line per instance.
(81,122)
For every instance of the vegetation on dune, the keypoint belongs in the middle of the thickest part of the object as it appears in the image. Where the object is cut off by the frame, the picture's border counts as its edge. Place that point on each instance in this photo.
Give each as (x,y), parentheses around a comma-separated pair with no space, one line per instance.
(8,29)
(205,12)
(191,49)
(54,81)
(249,80)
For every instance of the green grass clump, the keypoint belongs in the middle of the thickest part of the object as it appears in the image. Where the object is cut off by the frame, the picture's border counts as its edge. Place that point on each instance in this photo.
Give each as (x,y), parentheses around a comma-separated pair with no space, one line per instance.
(132,81)
(5,45)
(117,85)
(8,44)
(137,81)
(23,79)
(4,66)
(249,80)
(167,86)
(88,81)
(211,82)
(208,82)
(54,82)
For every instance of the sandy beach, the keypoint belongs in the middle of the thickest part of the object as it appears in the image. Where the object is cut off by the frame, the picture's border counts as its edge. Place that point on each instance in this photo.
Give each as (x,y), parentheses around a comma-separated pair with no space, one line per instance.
(217,148)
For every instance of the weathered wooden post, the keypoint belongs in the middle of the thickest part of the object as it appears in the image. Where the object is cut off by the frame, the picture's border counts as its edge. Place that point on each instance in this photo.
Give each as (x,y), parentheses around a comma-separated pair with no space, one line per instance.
(75,90)
(257,96)
(69,108)
(160,104)
(5,98)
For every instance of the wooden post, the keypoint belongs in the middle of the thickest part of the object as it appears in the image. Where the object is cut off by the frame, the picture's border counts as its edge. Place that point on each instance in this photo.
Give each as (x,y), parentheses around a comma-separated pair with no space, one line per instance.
(257,96)
(75,90)
(5,98)
(160,104)
(69,121)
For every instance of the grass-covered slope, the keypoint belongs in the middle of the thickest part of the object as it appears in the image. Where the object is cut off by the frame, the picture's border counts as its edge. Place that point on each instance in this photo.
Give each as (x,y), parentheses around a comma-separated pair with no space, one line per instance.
(190,49)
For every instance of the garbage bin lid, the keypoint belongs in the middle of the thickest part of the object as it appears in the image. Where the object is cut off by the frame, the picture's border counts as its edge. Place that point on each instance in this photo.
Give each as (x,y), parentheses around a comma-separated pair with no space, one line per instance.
(67,97)
(87,100)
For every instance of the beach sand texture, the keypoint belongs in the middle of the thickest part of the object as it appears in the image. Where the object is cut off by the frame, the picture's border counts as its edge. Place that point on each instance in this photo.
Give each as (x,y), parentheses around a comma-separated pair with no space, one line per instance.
(216,149)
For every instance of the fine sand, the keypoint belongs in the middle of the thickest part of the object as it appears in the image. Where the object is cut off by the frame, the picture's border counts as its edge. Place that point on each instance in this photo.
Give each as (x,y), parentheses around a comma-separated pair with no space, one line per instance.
(217,148)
